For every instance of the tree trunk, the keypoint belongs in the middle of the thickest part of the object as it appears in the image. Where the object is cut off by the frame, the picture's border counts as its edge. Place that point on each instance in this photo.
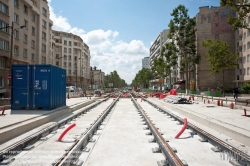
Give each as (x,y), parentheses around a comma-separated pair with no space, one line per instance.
(223,89)
(170,81)
(186,68)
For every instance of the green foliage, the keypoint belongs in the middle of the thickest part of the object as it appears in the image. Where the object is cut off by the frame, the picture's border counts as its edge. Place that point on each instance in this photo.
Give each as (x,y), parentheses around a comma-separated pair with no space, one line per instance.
(245,87)
(182,30)
(142,78)
(218,56)
(114,78)
(242,8)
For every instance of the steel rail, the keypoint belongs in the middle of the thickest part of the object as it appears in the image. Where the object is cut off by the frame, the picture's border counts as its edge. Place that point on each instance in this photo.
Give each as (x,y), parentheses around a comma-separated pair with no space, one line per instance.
(18,146)
(169,154)
(244,157)
(71,156)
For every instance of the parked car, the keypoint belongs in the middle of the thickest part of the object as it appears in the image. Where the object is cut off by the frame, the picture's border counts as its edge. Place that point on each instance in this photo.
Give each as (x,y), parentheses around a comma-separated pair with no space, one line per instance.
(78,89)
(70,89)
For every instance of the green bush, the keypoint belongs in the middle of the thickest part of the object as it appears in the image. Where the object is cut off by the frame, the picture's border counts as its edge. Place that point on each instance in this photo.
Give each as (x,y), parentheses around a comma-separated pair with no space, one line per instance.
(245,87)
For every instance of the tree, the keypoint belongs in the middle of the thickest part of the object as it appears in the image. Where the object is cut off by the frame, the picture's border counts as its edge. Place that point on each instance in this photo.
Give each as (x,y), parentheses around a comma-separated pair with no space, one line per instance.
(182,33)
(115,79)
(219,57)
(169,54)
(142,78)
(242,7)
(160,69)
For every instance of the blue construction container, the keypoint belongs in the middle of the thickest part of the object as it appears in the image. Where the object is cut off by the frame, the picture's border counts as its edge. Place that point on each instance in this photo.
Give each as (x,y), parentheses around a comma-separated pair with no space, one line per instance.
(38,87)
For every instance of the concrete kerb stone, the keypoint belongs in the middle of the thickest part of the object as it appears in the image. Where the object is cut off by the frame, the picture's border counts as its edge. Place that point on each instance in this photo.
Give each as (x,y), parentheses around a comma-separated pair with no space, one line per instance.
(213,125)
(10,133)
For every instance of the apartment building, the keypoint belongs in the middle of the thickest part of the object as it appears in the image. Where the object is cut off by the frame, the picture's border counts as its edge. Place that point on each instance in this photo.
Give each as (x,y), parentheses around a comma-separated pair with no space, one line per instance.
(97,78)
(155,49)
(211,24)
(69,52)
(243,49)
(146,63)
(31,26)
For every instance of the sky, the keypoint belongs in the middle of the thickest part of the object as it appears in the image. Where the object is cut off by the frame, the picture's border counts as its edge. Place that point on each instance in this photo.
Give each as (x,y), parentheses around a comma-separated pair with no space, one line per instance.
(119,33)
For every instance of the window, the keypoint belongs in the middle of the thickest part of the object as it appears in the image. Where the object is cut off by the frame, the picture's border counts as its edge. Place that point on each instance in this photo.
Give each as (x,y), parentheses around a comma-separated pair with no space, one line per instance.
(65,49)
(248,32)
(33,17)
(44,35)
(44,23)
(33,31)
(32,44)
(32,57)
(57,48)
(248,58)
(69,71)
(1,82)
(69,43)
(69,64)
(4,45)
(244,35)
(2,25)
(16,50)
(16,34)
(65,57)
(248,45)
(244,47)
(24,52)
(75,64)
(69,57)
(43,59)
(25,38)
(65,42)
(65,64)
(3,8)
(16,3)
(57,63)
(57,34)
(43,47)
(75,44)
(69,50)
(44,12)
(248,71)
(75,51)
(16,18)
(25,9)
(26,23)
(1,63)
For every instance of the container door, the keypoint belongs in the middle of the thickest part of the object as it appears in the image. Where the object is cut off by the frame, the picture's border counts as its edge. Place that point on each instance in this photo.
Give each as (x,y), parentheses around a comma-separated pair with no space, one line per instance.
(20,87)
(41,91)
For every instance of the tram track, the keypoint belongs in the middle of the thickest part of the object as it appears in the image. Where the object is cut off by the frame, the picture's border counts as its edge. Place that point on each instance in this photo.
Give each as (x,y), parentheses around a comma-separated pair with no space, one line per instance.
(237,156)
(72,150)
(27,143)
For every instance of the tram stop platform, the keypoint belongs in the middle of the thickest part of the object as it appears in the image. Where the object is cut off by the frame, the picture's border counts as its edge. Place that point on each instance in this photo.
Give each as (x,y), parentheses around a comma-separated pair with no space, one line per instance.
(17,122)
(230,125)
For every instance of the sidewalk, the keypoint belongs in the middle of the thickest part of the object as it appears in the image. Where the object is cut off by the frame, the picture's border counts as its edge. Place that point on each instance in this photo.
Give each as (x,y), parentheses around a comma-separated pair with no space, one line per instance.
(229,122)
(17,122)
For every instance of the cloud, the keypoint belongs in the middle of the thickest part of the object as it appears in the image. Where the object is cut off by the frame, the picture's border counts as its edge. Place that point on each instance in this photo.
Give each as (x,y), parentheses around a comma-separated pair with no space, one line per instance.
(107,53)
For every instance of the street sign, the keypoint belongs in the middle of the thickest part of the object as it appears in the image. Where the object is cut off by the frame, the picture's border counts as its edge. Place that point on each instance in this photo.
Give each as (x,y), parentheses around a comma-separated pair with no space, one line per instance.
(9,77)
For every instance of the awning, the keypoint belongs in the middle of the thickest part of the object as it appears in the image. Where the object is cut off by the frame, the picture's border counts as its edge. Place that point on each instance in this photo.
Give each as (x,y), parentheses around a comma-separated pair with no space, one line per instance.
(179,82)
